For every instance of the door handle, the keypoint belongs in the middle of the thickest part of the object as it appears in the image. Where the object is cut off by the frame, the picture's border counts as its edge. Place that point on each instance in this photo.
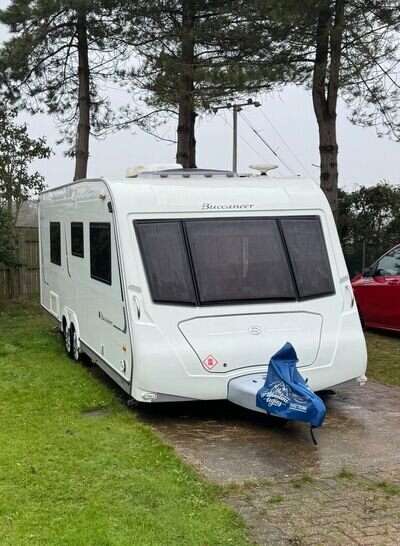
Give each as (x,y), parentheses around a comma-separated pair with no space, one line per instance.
(137,304)
(393,282)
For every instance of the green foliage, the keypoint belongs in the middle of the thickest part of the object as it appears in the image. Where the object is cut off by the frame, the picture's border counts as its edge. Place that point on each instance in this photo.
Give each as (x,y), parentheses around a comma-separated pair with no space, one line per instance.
(40,61)
(388,488)
(71,479)
(276,498)
(7,252)
(367,53)
(302,481)
(218,68)
(17,151)
(347,474)
(370,213)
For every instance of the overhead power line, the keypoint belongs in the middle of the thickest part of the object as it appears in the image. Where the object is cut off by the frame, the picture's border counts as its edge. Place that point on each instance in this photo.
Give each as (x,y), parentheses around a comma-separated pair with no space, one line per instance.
(266,144)
(286,145)
(248,143)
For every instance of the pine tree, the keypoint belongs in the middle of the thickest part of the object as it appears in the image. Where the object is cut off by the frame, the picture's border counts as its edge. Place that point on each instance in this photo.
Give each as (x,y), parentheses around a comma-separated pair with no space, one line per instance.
(189,61)
(58,60)
(335,48)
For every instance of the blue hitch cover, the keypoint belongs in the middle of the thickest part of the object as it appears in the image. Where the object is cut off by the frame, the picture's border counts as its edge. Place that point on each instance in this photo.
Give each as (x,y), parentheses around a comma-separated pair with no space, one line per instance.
(285,392)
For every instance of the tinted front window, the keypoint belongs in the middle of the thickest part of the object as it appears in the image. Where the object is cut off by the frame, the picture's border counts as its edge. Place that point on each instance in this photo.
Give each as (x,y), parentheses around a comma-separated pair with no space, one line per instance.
(77,239)
(234,260)
(55,243)
(100,252)
(239,260)
(166,262)
(308,256)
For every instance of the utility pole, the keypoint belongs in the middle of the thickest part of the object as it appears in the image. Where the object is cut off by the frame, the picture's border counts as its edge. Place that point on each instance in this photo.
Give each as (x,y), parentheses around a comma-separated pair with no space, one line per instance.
(235,109)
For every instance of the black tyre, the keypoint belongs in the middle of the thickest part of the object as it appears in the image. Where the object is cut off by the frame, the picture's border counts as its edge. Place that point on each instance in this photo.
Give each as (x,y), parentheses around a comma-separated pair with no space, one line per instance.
(75,352)
(67,340)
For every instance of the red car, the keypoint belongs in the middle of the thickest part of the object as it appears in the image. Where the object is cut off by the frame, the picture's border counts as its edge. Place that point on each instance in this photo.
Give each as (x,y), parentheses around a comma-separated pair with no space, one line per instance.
(377,292)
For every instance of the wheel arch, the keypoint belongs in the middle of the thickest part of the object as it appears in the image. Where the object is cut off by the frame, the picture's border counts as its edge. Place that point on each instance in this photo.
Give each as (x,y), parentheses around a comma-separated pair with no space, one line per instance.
(70,320)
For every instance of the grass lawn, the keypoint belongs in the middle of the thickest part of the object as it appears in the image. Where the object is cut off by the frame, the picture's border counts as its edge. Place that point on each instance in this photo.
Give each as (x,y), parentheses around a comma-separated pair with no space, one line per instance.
(70,479)
(383,357)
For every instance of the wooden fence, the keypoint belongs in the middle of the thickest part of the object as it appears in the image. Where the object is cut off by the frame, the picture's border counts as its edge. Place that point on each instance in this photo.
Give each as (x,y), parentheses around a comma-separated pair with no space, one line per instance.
(22,280)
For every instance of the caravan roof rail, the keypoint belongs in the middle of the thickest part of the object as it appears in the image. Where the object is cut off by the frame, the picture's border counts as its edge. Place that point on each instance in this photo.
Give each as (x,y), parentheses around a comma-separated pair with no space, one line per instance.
(187,173)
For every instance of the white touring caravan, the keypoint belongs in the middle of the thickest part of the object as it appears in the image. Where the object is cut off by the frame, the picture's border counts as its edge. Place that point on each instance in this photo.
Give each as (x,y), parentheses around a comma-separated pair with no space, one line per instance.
(181,284)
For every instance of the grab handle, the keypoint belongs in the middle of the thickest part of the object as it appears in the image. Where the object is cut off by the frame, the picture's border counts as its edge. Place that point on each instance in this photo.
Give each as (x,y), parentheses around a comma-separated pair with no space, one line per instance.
(137,303)
(351,295)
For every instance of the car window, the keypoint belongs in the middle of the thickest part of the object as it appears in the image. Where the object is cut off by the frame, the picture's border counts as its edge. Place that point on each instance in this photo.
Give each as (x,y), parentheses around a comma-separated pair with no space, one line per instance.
(389,265)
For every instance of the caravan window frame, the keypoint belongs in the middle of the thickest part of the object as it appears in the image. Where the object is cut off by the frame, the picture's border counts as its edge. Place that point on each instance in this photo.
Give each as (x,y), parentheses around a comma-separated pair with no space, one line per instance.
(276,239)
(192,302)
(94,225)
(74,251)
(55,251)
(277,219)
(324,257)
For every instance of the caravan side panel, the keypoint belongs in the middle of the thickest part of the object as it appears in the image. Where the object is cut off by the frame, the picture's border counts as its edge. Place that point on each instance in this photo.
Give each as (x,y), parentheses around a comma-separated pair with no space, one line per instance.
(82,281)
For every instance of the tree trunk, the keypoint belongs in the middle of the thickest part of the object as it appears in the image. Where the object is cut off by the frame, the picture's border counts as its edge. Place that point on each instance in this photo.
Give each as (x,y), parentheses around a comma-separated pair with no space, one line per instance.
(83,132)
(328,151)
(325,93)
(192,140)
(186,148)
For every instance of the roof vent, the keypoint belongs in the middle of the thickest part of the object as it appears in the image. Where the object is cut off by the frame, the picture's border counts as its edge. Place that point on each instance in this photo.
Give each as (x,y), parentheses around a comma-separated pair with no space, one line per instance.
(133,172)
(263,168)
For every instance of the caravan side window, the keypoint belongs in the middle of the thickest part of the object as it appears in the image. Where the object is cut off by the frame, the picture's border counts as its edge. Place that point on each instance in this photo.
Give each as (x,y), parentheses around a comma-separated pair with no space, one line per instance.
(100,252)
(308,255)
(55,243)
(77,239)
(166,261)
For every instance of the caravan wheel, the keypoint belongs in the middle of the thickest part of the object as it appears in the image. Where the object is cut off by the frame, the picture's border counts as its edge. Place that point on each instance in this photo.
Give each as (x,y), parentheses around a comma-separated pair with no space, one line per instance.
(67,340)
(75,352)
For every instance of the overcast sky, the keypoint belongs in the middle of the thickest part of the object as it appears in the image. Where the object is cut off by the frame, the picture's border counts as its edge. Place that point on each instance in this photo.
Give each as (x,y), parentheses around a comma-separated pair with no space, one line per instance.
(363,157)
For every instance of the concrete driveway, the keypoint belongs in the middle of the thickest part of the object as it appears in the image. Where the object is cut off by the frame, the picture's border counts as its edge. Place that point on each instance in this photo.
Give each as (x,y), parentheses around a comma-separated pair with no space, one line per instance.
(346,490)
(230,444)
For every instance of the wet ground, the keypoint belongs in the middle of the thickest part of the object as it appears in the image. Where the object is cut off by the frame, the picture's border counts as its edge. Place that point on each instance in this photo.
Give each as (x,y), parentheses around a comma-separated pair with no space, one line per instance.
(229,444)
(345,491)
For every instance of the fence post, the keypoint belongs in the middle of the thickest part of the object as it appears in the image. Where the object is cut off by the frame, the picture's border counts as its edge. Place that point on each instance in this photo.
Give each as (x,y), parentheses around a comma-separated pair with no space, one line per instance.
(14,270)
(22,262)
